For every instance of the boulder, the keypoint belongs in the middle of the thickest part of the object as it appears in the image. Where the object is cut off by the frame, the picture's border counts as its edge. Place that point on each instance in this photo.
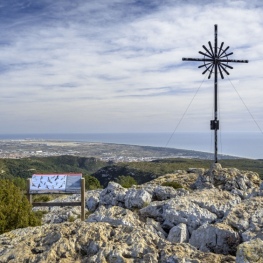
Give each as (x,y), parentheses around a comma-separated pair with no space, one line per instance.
(154,227)
(216,201)
(218,238)
(92,203)
(179,210)
(194,209)
(247,218)
(161,193)
(250,252)
(115,216)
(113,195)
(178,234)
(137,198)
(93,199)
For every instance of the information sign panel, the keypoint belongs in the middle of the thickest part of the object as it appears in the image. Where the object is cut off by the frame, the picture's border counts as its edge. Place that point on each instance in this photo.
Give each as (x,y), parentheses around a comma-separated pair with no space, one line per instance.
(55,183)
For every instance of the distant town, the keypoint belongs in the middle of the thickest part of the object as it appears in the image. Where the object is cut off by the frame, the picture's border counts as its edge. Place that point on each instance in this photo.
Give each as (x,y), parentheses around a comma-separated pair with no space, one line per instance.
(16,149)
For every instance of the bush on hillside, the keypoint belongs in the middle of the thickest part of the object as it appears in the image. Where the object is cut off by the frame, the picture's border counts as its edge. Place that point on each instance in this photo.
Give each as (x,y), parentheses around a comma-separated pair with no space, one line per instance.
(126,181)
(175,185)
(91,182)
(20,182)
(15,210)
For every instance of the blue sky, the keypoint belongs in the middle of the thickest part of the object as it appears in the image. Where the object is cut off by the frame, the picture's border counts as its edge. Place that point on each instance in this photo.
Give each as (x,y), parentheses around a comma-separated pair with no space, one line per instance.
(116,66)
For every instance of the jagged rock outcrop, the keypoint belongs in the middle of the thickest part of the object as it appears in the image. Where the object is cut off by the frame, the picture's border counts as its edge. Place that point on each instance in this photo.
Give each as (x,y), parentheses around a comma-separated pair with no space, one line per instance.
(96,243)
(115,216)
(185,178)
(217,214)
(175,211)
(194,210)
(247,218)
(238,182)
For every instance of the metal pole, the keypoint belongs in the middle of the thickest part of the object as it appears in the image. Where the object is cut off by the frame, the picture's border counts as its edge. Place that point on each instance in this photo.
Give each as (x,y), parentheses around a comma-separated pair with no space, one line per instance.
(216,65)
(29,196)
(82,199)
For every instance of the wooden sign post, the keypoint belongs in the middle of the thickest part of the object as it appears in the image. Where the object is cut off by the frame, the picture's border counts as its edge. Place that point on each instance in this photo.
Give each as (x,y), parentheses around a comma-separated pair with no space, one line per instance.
(54,184)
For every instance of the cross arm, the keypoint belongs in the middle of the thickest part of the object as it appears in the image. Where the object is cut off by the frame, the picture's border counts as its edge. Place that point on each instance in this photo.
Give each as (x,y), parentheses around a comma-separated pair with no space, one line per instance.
(233,60)
(197,59)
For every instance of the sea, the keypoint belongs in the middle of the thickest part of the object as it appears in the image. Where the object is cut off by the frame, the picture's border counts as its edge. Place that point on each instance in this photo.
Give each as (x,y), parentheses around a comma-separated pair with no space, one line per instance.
(239,144)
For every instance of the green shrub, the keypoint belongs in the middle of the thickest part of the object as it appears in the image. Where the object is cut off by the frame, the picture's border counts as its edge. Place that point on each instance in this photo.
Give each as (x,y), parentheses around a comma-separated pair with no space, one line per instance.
(175,185)
(71,219)
(20,182)
(15,210)
(42,198)
(91,182)
(126,181)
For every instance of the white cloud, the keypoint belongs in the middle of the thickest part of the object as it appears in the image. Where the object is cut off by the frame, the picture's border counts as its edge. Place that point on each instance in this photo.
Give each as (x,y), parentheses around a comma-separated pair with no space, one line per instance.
(117,66)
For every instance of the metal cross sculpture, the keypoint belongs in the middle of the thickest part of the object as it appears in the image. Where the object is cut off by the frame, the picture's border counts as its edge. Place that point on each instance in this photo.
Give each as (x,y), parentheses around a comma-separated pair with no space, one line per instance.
(215,59)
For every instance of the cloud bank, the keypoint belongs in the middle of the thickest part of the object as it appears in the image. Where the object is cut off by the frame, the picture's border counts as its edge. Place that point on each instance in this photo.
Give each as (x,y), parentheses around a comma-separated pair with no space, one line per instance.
(116,66)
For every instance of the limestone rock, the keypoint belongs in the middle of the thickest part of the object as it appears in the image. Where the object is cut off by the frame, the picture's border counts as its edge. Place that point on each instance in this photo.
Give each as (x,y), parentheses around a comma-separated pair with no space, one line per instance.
(113,195)
(93,199)
(96,242)
(218,238)
(180,253)
(92,203)
(137,198)
(182,177)
(223,209)
(180,210)
(229,179)
(247,218)
(194,209)
(216,201)
(56,214)
(250,252)
(178,234)
(154,227)
(115,216)
(161,193)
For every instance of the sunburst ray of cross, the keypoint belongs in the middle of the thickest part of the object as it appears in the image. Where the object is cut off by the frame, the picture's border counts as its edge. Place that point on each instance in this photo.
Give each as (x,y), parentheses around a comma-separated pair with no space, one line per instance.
(215,59)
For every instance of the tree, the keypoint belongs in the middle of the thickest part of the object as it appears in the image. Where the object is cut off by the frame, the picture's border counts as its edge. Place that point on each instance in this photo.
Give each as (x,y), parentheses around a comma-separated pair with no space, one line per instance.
(126,181)
(20,182)
(15,210)
(91,182)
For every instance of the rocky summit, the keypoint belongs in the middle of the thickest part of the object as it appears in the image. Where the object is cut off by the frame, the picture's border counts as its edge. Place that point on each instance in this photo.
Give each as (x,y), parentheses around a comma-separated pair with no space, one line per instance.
(217,216)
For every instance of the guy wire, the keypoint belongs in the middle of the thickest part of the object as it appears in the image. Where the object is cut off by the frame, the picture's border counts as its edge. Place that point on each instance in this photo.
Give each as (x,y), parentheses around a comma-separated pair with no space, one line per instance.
(245,106)
(176,127)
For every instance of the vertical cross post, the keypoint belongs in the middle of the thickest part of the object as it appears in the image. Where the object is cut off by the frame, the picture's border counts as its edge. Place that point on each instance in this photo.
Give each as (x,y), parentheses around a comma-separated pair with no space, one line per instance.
(215,59)
(216,127)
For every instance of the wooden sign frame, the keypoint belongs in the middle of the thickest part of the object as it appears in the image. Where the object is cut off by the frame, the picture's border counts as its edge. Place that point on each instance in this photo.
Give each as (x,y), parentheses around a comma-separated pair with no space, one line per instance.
(31,190)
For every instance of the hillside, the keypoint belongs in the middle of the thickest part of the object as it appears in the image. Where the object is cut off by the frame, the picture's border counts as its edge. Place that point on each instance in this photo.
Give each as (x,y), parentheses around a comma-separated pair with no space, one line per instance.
(215,218)
(108,171)
(25,167)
